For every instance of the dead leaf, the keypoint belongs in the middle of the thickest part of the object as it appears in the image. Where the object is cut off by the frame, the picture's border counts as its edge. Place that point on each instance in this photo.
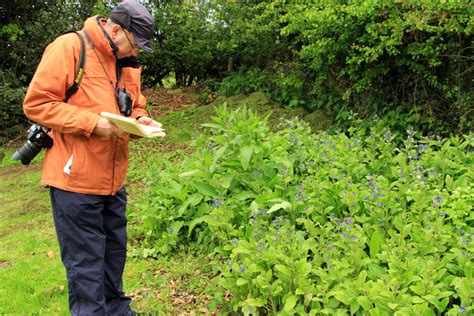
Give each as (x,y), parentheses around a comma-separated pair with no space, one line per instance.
(51,254)
(61,288)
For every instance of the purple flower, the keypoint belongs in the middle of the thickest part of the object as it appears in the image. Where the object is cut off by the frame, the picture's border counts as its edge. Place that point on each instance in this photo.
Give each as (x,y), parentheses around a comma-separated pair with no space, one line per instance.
(216,202)
(242,268)
(234,240)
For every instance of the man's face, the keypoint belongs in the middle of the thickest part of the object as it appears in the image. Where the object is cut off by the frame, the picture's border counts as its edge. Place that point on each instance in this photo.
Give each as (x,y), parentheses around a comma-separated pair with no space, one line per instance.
(126,43)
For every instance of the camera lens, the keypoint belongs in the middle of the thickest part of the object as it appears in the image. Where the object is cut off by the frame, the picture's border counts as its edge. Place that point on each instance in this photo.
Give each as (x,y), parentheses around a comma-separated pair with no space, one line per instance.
(26,153)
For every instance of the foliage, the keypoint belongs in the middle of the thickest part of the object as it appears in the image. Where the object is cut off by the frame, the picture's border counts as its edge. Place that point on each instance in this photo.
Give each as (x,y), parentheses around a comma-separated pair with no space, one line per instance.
(374,56)
(244,82)
(322,223)
(25,37)
(369,57)
(11,96)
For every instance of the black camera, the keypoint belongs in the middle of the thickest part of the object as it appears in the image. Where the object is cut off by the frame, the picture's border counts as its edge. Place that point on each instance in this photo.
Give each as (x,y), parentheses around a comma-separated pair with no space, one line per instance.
(124,101)
(37,138)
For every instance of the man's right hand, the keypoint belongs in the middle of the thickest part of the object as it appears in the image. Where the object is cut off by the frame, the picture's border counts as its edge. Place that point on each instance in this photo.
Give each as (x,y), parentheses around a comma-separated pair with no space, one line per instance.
(106,128)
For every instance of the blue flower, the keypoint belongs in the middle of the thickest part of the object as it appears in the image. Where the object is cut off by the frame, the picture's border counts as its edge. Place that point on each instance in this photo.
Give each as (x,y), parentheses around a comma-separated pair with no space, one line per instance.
(216,202)
(234,240)
(242,268)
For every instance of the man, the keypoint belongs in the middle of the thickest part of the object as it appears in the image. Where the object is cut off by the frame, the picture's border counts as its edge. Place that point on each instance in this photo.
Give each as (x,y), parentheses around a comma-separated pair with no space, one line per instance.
(87,165)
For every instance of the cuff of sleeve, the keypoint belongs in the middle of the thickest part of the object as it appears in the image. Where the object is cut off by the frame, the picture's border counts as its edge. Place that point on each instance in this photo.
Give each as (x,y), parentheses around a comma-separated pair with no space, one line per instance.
(92,120)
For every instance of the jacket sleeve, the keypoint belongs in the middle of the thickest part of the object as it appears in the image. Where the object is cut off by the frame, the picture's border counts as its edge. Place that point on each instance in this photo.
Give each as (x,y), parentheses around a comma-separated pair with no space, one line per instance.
(44,103)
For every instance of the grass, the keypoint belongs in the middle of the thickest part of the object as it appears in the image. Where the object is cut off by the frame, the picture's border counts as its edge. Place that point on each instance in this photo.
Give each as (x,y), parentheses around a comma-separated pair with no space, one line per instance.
(32,278)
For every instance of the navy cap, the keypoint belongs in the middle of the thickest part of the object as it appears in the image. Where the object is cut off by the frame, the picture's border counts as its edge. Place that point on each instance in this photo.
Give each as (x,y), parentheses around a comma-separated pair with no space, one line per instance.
(134,17)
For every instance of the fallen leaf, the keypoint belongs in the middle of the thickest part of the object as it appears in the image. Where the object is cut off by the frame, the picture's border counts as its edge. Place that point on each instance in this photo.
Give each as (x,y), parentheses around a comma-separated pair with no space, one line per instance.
(51,254)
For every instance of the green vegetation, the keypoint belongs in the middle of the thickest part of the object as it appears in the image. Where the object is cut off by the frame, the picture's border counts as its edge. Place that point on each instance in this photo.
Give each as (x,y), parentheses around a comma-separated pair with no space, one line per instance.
(371,57)
(325,223)
(331,173)
(30,265)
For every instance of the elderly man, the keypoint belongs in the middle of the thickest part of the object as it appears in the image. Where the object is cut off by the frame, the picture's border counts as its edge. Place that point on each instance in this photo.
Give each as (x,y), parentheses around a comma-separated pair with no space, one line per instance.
(87,165)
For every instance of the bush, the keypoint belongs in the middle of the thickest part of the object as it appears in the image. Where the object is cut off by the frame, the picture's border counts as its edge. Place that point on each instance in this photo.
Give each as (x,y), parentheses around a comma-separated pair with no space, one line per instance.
(322,223)
(244,82)
(371,57)
(11,99)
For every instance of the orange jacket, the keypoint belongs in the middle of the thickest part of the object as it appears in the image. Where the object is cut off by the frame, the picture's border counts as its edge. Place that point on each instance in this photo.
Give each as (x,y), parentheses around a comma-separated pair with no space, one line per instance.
(80,161)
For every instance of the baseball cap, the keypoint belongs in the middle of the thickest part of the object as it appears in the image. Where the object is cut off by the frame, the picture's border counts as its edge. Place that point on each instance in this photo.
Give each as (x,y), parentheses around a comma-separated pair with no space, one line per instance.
(134,17)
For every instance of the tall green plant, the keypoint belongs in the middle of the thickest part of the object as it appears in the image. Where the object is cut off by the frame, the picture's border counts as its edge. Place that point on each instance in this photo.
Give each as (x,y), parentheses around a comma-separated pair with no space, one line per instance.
(302,223)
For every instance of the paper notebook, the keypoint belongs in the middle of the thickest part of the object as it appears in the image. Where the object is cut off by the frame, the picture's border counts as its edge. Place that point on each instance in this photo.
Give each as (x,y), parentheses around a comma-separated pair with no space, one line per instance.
(131,126)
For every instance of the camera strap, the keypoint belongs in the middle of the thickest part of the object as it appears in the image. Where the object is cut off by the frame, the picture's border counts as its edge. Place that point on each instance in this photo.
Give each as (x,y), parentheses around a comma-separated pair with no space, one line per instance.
(80,69)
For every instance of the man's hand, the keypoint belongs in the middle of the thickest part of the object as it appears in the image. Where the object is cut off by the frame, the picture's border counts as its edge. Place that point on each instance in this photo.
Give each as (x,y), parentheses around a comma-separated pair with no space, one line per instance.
(149,121)
(106,128)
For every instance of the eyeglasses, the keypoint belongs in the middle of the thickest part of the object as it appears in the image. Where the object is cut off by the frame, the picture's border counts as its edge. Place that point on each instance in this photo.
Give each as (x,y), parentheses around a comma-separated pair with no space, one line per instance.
(134,47)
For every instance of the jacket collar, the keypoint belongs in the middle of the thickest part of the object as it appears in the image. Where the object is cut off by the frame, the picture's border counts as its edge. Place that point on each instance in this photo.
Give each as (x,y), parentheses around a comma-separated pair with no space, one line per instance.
(94,26)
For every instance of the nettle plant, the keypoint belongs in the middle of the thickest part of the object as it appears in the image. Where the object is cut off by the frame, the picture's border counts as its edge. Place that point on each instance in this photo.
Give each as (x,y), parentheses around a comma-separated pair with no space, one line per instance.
(303,223)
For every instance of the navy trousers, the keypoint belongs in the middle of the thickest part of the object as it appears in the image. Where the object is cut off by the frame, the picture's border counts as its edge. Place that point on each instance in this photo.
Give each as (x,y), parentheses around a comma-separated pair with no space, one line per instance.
(91,231)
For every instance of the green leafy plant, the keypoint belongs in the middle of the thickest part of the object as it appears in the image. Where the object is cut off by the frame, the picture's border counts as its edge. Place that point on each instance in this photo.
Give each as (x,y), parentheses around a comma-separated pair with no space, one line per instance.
(324,223)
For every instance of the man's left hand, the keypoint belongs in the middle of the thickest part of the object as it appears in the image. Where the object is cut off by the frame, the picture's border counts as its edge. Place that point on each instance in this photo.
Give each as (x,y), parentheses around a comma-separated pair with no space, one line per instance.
(149,121)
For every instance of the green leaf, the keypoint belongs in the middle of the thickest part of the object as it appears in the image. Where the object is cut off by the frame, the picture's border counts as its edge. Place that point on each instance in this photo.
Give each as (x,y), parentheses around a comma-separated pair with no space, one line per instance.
(241,250)
(290,303)
(225,181)
(175,227)
(212,125)
(194,222)
(205,188)
(245,156)
(417,300)
(375,242)
(255,302)
(245,195)
(241,281)
(364,302)
(276,207)
(449,182)
(392,305)
(191,173)
(283,269)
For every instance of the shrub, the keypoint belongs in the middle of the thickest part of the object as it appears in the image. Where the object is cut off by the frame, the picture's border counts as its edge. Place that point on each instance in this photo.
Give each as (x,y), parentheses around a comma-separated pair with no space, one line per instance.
(374,56)
(322,223)
(11,99)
